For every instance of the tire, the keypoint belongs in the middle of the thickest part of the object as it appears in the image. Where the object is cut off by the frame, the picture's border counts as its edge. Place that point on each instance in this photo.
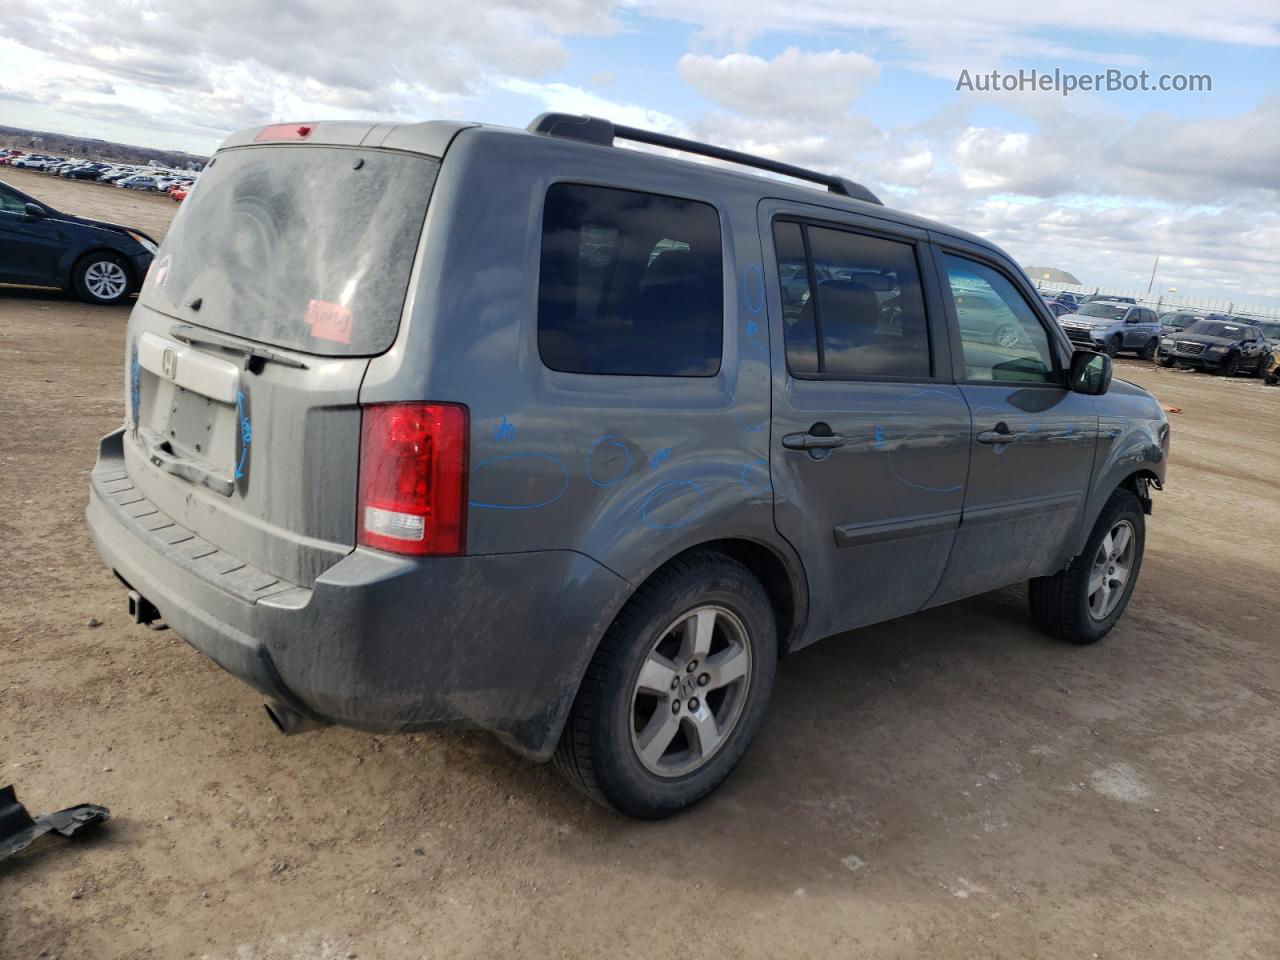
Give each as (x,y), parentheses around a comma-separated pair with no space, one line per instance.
(600,751)
(1112,347)
(1062,605)
(1264,363)
(1230,368)
(1006,336)
(102,278)
(1149,351)
(1166,361)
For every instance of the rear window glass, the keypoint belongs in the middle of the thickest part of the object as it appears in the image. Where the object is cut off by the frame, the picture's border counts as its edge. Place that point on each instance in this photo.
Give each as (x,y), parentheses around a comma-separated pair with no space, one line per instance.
(308,248)
(867,318)
(630,283)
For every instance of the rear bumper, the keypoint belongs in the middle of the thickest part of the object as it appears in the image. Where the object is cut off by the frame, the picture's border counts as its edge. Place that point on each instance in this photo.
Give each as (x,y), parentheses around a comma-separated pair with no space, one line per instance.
(379,642)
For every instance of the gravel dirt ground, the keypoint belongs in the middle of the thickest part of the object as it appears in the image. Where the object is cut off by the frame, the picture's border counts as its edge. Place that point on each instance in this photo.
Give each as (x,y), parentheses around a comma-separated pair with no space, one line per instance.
(952,784)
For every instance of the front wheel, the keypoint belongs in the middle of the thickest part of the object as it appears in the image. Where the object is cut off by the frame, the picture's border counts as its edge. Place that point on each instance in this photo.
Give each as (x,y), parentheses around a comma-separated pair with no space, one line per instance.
(1230,368)
(1083,602)
(102,278)
(1166,361)
(676,690)
(1264,364)
(1112,347)
(1149,351)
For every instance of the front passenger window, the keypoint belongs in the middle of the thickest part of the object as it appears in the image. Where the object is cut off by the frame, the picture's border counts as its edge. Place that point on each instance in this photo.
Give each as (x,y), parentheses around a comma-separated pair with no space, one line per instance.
(1000,336)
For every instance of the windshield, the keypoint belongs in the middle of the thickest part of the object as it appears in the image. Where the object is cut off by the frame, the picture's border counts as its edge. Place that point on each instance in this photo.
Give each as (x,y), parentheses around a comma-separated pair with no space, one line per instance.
(1269,330)
(1216,328)
(1104,311)
(302,247)
(1179,320)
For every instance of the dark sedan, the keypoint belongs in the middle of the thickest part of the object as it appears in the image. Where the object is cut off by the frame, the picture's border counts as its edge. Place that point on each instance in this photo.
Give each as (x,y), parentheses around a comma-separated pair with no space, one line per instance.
(1219,345)
(100,262)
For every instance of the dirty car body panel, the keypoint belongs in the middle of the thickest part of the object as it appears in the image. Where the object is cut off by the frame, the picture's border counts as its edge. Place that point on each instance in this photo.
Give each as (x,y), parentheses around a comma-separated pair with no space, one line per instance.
(231,497)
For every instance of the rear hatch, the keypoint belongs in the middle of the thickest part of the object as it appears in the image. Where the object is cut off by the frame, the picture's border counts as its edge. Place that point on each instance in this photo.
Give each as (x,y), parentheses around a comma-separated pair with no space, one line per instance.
(282,274)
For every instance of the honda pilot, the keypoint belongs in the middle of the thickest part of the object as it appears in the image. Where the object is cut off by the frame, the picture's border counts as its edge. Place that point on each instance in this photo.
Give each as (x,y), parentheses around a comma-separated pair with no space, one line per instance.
(450,425)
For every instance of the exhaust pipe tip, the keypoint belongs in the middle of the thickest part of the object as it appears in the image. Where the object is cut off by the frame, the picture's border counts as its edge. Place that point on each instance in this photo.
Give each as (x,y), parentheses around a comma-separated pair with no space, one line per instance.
(290,721)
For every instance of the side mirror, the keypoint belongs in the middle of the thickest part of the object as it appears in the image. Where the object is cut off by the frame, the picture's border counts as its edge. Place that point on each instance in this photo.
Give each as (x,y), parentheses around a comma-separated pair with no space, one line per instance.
(34,211)
(1090,373)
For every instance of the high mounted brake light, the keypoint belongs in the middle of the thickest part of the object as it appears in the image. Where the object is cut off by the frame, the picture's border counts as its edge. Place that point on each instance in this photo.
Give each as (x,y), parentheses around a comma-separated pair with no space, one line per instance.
(413,478)
(284,131)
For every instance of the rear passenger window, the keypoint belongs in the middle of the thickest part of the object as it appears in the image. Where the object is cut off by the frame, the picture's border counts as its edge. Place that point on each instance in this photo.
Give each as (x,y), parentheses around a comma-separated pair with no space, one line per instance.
(852,304)
(630,283)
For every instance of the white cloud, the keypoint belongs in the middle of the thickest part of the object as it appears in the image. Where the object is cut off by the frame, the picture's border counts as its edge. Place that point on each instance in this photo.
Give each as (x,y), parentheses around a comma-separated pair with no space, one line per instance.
(796,83)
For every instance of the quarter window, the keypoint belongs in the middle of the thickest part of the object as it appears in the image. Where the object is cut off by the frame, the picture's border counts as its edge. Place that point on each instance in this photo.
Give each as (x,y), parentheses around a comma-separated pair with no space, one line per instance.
(999,334)
(852,304)
(630,283)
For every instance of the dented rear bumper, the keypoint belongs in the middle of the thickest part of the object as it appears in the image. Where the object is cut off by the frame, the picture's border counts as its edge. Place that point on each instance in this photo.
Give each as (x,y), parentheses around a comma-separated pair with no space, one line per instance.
(378,642)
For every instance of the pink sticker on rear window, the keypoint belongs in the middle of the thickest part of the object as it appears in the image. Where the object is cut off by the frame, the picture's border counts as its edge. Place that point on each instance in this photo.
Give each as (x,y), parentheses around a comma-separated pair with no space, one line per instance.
(329,321)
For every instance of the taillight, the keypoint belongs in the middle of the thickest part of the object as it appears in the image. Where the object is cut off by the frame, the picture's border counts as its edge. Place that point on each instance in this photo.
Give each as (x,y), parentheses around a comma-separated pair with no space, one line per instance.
(413,478)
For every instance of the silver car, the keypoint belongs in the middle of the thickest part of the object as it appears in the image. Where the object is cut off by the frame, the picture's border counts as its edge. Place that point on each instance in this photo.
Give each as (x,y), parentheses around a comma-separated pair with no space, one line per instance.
(1112,326)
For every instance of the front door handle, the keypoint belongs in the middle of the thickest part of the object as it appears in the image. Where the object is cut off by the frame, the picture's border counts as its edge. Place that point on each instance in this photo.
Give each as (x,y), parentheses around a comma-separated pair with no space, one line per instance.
(810,441)
(1000,435)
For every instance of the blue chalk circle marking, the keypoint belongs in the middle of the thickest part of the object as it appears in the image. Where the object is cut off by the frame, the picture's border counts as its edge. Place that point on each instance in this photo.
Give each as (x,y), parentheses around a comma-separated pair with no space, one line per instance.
(754,478)
(564,482)
(927,488)
(753,287)
(684,521)
(610,440)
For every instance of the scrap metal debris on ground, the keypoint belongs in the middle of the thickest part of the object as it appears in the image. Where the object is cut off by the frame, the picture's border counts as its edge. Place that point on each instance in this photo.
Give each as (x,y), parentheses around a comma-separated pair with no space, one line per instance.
(18,829)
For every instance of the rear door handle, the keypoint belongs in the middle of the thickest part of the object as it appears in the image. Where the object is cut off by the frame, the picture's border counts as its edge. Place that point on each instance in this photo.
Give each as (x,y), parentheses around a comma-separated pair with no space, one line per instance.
(809,441)
(1000,435)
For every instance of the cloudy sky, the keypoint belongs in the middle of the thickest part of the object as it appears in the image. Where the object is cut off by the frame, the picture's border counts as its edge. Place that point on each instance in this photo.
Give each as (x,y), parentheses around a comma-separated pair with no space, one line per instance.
(1094,183)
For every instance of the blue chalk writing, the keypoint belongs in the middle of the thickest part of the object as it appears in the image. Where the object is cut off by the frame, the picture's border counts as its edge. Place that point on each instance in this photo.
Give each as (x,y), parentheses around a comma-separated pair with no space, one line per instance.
(505,432)
(752,328)
(659,457)
(246,434)
(879,440)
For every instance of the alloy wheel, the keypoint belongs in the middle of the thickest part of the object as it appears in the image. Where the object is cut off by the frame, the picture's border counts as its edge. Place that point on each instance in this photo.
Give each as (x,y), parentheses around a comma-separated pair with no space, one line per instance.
(690,691)
(1112,565)
(106,279)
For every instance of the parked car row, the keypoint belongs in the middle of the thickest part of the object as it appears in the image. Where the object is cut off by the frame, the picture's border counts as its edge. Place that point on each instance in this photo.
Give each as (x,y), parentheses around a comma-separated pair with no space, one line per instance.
(127,176)
(1205,340)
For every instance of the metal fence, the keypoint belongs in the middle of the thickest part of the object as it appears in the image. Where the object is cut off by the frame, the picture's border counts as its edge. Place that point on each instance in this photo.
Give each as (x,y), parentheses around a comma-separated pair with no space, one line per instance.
(1167,302)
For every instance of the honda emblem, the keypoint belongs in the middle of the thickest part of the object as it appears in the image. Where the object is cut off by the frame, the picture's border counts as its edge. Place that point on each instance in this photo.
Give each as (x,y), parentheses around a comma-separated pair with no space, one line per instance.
(169,364)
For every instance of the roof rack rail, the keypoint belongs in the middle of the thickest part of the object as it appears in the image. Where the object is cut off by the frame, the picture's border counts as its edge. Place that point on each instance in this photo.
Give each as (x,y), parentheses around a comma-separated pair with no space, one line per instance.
(604,132)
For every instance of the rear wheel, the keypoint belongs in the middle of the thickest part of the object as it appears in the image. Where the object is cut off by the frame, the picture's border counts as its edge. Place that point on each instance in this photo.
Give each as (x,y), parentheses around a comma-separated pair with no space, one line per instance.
(1083,602)
(102,278)
(1149,351)
(676,691)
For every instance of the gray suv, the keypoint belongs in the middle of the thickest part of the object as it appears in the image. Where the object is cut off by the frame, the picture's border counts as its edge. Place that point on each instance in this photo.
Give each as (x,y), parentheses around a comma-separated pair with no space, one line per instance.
(1112,326)
(445,424)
